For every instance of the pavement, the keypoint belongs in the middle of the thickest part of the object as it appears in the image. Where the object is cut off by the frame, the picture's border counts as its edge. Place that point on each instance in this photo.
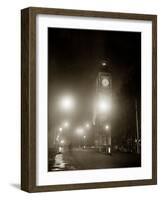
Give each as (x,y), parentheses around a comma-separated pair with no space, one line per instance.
(81,159)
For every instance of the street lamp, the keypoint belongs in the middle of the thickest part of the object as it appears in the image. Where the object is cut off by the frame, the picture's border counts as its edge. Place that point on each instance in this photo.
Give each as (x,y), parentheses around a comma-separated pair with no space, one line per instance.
(84,137)
(60,129)
(102,105)
(57,138)
(67,103)
(66,124)
(62,141)
(87,125)
(108,147)
(103,64)
(106,127)
(80,131)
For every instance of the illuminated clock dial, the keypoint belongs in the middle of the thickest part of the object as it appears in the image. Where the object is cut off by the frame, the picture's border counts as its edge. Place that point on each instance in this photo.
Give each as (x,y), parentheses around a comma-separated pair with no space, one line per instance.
(105,82)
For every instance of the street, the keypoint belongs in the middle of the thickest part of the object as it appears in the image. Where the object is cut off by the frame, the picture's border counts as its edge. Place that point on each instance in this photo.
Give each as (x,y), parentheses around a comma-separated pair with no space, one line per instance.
(79,159)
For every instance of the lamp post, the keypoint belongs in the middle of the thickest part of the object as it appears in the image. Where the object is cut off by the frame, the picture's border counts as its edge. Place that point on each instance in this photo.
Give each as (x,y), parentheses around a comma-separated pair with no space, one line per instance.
(84,137)
(108,139)
(66,104)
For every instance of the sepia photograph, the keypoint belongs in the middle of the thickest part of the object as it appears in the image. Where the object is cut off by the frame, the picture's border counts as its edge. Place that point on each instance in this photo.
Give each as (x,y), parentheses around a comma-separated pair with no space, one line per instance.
(94,99)
(89,99)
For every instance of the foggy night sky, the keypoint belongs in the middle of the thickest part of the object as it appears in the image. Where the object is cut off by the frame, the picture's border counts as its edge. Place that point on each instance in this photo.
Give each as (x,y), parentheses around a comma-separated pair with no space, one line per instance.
(74,58)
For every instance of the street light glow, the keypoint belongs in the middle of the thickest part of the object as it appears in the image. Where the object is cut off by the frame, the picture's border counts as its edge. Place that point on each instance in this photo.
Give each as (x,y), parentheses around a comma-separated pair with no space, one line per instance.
(87,125)
(66,124)
(104,105)
(104,63)
(57,138)
(84,137)
(109,150)
(60,129)
(62,142)
(80,130)
(67,103)
(106,127)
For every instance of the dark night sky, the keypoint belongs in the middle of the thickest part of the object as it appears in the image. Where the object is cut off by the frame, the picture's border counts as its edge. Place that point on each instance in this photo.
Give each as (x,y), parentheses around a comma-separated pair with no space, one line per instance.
(74,58)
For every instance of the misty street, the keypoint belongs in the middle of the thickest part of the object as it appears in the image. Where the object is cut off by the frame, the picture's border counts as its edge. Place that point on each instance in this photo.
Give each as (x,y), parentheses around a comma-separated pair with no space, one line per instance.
(94,99)
(80,158)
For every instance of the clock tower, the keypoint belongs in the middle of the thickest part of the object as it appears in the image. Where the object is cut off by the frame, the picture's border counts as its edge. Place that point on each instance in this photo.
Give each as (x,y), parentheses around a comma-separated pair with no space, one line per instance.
(103,108)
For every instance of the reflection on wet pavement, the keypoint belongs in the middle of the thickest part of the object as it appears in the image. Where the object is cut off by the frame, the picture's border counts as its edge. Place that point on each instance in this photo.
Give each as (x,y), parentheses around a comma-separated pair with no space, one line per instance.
(82,159)
(60,164)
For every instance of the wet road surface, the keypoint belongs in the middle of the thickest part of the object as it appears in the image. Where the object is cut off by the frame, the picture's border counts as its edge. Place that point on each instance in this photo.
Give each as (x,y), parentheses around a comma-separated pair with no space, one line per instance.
(79,159)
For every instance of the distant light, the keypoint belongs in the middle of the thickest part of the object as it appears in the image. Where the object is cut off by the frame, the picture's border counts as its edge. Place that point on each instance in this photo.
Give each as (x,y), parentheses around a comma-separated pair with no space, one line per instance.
(60,129)
(84,137)
(66,124)
(87,125)
(104,64)
(106,127)
(62,142)
(60,149)
(57,138)
(103,106)
(80,131)
(67,103)
(109,150)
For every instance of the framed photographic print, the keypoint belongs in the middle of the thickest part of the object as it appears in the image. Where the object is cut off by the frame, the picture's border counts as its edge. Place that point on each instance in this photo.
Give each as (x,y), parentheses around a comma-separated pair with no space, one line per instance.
(89,99)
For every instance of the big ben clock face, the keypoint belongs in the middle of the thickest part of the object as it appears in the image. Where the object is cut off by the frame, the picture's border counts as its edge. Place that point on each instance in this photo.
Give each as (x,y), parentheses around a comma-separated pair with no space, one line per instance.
(105,82)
